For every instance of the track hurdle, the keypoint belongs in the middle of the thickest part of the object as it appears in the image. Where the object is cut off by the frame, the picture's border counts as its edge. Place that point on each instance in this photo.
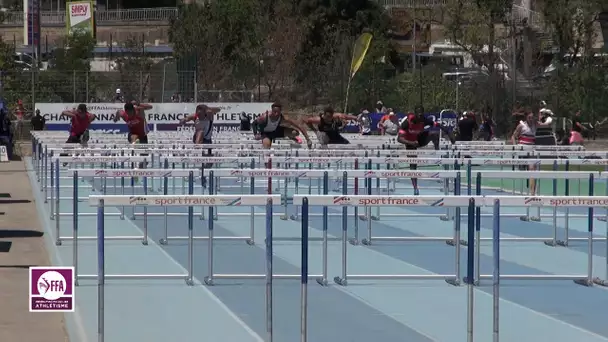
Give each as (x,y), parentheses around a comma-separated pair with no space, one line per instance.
(104,174)
(400,201)
(589,202)
(101,202)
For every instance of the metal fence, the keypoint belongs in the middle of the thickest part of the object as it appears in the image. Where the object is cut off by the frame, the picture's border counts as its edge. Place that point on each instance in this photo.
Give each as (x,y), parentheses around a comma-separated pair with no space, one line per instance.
(82,86)
(105,17)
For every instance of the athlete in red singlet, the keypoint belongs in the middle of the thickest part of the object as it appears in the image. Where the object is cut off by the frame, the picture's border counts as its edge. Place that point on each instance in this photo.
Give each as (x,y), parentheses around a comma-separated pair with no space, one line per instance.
(134,116)
(80,121)
(414,133)
(79,126)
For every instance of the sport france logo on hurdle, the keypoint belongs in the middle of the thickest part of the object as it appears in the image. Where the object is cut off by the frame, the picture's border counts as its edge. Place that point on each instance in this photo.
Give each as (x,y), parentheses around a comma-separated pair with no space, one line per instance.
(533,201)
(342,200)
(51,289)
(137,200)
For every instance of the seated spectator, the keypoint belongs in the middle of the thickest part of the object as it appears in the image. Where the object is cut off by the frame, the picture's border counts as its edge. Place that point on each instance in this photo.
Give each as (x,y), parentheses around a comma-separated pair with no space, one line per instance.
(6,136)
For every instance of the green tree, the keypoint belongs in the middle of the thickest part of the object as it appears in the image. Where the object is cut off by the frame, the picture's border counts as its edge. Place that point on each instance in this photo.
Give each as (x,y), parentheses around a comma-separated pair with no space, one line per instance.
(332,28)
(133,64)
(479,28)
(223,37)
(68,74)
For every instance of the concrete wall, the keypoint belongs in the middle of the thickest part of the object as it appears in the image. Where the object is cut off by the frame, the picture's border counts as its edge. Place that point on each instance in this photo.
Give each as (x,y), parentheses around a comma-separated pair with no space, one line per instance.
(118,33)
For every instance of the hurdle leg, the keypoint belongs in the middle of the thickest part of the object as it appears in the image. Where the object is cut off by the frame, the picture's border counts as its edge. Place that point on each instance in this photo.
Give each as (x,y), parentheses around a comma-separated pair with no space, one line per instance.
(566,240)
(553,242)
(144,240)
(377,216)
(368,241)
(598,280)
(285,216)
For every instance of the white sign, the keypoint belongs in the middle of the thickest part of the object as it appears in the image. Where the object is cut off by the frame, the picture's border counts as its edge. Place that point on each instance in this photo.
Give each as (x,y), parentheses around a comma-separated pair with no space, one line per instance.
(79,12)
(3,155)
(161,113)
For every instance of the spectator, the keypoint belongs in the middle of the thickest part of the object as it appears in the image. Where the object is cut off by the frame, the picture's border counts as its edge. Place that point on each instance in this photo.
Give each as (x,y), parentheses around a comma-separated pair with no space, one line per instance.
(38,121)
(245,122)
(389,124)
(380,108)
(487,128)
(365,122)
(118,97)
(6,137)
(176,98)
(467,127)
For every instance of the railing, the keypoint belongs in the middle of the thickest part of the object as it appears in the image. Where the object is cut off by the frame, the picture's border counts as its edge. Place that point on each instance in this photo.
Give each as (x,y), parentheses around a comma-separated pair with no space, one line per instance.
(412,3)
(124,16)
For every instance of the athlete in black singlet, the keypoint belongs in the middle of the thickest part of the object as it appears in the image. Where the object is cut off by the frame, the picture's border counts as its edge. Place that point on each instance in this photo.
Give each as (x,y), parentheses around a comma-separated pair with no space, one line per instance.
(329,125)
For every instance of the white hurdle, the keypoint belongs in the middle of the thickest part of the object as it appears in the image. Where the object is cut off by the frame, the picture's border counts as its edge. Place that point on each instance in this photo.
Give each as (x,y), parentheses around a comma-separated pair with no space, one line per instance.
(473,232)
(101,202)
(390,201)
(104,174)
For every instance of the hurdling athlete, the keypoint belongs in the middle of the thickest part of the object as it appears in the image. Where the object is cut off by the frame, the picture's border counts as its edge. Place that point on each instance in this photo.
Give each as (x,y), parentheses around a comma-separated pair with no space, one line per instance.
(274,125)
(328,126)
(80,121)
(203,129)
(414,132)
(135,118)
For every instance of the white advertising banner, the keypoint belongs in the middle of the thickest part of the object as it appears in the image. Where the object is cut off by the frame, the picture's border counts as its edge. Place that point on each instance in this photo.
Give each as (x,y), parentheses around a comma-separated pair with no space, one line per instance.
(161,113)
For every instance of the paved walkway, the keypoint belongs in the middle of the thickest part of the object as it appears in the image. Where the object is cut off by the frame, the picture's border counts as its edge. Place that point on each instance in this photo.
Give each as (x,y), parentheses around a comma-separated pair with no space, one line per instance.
(21,234)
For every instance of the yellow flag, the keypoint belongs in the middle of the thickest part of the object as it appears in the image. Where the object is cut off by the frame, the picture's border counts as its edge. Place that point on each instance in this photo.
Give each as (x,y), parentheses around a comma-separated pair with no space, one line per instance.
(359,52)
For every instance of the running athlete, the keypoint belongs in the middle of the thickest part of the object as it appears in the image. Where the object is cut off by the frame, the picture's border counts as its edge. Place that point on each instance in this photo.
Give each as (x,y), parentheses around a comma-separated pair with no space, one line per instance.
(135,118)
(414,133)
(203,124)
(328,126)
(80,120)
(203,129)
(274,125)
(525,134)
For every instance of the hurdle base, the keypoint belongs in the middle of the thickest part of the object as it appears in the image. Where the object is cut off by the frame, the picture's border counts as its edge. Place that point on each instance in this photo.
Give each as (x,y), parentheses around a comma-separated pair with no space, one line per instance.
(144,242)
(474,282)
(294,218)
(362,217)
(250,242)
(444,218)
(189,282)
(354,242)
(366,242)
(340,281)
(601,282)
(451,242)
(284,217)
(322,281)
(375,218)
(529,218)
(562,243)
(58,242)
(208,281)
(583,282)
(453,282)
(163,242)
(603,219)
(551,243)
